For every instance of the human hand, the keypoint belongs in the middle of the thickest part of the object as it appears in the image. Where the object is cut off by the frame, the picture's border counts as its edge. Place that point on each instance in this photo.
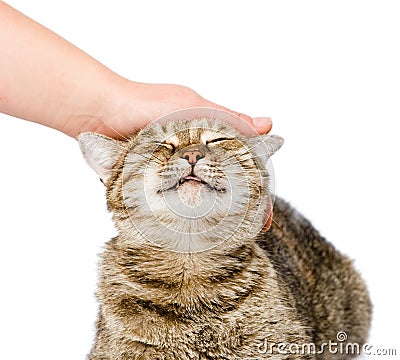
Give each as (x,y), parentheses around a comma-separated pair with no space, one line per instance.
(131,106)
(80,94)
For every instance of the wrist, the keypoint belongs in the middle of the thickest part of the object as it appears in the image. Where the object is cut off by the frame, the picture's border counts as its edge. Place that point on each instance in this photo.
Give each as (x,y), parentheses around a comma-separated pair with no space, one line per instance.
(120,112)
(98,109)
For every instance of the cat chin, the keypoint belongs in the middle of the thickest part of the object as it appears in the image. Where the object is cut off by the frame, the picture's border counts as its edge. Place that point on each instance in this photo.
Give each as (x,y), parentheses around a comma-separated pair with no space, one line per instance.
(190,200)
(192,217)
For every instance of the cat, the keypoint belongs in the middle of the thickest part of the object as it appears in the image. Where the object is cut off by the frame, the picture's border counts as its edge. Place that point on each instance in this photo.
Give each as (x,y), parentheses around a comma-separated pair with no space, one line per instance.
(198,269)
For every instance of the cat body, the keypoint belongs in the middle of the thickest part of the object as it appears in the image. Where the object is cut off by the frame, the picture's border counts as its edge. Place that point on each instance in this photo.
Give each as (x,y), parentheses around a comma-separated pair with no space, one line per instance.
(193,273)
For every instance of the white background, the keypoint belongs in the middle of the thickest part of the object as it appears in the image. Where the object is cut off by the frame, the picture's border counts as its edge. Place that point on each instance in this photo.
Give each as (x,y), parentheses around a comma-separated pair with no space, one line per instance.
(326,71)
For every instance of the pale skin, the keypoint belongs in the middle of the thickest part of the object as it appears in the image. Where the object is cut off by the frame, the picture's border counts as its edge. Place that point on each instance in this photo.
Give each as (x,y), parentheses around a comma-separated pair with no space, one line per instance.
(47,80)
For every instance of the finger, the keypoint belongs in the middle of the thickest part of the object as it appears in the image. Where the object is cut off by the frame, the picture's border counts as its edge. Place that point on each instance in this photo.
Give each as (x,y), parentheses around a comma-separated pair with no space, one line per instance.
(262,125)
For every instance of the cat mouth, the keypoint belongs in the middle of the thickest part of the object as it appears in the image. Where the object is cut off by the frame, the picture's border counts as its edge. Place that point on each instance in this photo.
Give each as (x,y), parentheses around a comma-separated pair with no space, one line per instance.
(192,180)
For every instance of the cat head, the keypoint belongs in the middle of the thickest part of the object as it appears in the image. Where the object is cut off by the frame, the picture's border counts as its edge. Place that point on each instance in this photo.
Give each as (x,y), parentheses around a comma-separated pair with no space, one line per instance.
(185,185)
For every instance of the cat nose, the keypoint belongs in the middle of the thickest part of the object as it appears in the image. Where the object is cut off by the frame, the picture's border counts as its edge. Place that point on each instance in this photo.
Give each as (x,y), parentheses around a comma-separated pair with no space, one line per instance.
(192,154)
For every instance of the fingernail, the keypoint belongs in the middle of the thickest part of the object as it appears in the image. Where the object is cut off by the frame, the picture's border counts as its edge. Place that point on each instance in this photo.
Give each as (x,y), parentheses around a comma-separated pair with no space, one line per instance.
(262,123)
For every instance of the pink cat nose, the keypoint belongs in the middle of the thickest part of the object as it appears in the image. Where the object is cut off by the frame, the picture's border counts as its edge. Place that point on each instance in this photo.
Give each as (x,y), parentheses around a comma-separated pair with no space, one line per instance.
(192,154)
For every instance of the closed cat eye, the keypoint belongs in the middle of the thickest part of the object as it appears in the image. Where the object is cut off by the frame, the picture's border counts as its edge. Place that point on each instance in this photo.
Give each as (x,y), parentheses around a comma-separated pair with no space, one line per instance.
(217,140)
(169,146)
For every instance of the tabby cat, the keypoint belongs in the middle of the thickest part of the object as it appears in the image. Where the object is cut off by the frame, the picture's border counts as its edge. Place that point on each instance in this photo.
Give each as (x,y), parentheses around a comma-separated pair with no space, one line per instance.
(196,271)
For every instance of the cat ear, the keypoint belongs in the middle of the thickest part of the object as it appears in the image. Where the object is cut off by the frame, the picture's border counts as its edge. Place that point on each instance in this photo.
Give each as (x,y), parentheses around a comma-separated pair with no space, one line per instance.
(100,152)
(265,146)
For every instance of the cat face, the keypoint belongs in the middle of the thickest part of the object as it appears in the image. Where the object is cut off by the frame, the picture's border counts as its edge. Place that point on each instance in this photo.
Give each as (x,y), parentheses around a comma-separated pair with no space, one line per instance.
(185,185)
